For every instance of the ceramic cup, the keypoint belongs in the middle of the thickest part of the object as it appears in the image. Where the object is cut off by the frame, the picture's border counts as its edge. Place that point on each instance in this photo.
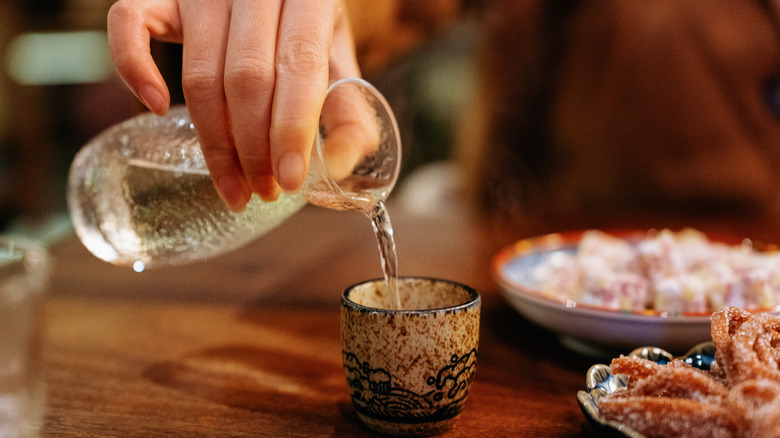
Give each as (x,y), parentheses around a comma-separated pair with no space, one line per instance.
(409,370)
(24,273)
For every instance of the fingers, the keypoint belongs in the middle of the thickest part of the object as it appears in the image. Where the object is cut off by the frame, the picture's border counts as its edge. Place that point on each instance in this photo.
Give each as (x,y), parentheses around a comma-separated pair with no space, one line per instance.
(206,24)
(343,60)
(249,88)
(254,75)
(273,82)
(303,51)
(131,25)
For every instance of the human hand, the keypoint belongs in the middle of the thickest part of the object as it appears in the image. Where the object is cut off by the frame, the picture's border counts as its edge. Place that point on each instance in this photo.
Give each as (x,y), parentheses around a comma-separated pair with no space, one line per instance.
(254,76)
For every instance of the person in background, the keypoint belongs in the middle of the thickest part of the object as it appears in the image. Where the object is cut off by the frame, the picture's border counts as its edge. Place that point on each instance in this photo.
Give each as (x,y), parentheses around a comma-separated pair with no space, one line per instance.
(663,105)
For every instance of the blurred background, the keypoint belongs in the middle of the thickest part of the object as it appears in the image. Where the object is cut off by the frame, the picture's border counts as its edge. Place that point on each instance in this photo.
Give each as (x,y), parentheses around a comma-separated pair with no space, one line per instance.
(57,89)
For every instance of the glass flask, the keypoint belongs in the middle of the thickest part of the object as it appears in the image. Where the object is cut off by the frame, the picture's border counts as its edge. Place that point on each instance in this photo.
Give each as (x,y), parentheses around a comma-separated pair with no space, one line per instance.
(140,194)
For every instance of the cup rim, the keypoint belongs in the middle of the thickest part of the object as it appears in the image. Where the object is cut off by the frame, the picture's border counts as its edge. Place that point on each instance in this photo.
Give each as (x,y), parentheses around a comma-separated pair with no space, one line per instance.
(474,297)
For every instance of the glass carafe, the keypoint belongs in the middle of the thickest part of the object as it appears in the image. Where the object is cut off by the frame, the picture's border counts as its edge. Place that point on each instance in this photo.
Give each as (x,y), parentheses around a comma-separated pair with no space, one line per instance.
(140,194)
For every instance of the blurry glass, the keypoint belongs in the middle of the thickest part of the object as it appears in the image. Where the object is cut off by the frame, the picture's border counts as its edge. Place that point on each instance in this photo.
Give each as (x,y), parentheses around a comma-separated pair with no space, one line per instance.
(24,272)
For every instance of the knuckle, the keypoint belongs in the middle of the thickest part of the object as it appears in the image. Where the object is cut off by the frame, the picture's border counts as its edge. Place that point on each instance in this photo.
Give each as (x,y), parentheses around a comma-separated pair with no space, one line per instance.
(120,11)
(201,77)
(290,130)
(301,55)
(256,164)
(249,74)
(123,22)
(219,161)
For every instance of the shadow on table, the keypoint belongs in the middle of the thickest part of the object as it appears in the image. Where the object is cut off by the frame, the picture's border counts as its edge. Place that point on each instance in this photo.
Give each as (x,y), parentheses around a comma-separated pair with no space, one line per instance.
(286,389)
(513,332)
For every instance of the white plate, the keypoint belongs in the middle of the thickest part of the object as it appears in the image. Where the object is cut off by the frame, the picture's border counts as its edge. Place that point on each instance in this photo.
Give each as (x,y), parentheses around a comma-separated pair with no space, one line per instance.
(591,329)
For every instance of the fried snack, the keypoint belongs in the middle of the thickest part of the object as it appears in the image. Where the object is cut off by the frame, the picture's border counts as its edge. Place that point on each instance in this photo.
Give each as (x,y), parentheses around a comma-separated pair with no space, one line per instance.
(758,401)
(671,417)
(738,397)
(723,326)
(634,367)
(679,383)
(755,354)
(638,367)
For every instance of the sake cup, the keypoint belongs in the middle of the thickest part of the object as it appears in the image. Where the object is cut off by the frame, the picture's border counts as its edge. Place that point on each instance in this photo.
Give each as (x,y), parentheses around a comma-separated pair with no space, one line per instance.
(409,370)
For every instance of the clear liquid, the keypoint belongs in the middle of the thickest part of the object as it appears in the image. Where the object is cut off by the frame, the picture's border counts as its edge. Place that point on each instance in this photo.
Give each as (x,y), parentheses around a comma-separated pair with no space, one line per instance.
(360,191)
(145,215)
(383,229)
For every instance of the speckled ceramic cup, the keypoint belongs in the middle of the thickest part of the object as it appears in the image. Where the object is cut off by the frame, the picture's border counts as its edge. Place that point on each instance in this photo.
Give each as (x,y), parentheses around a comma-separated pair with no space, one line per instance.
(409,370)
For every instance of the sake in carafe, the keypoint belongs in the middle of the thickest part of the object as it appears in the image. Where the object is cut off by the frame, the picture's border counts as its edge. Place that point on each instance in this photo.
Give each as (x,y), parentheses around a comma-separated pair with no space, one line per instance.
(140,194)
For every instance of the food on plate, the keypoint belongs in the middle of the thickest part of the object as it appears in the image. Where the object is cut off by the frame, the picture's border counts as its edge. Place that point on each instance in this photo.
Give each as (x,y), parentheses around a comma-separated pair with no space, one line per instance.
(747,345)
(738,397)
(663,271)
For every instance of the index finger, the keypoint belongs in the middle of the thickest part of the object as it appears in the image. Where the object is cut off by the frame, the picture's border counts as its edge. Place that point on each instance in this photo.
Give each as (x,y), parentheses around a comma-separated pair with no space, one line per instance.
(131,24)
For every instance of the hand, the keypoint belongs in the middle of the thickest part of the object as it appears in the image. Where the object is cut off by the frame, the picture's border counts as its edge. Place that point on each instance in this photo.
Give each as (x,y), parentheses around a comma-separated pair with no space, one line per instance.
(254,76)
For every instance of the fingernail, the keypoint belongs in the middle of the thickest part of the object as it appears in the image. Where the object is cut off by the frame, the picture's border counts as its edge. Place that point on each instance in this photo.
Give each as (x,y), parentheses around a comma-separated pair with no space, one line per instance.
(291,171)
(151,98)
(232,192)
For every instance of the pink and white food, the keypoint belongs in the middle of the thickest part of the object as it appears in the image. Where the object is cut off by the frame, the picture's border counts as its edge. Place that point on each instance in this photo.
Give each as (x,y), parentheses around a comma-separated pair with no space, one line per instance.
(663,271)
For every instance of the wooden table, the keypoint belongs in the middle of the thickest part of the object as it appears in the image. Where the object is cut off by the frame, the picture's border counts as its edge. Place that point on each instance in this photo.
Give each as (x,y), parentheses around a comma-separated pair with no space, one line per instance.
(248,344)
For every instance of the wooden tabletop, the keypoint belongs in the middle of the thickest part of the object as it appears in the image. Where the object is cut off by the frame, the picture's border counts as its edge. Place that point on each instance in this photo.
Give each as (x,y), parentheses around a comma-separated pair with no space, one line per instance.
(248,344)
